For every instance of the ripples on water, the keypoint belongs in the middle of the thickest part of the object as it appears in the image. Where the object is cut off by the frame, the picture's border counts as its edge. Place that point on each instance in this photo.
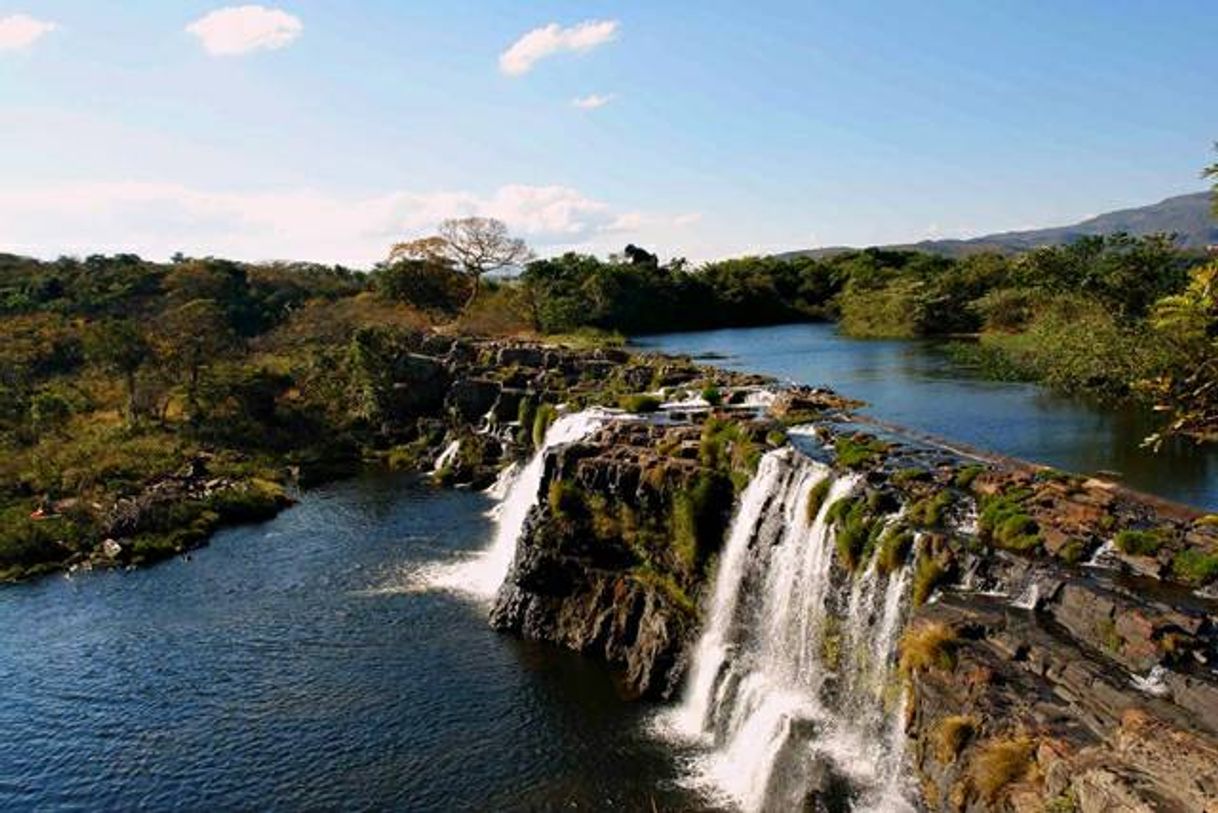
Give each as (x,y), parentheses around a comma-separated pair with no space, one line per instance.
(296,665)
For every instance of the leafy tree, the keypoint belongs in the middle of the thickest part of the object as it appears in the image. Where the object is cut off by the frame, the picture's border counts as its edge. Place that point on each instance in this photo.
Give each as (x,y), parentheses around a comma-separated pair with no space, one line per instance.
(1188,323)
(118,346)
(193,335)
(430,284)
(475,245)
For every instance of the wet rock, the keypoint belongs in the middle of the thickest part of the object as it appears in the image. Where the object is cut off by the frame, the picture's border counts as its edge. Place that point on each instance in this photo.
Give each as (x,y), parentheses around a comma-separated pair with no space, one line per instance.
(473,398)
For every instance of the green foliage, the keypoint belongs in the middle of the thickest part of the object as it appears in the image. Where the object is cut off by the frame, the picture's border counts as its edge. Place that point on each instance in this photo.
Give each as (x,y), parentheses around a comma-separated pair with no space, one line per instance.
(545,415)
(425,284)
(855,531)
(574,291)
(712,396)
(1139,543)
(700,515)
(567,501)
(929,511)
(929,573)
(726,447)
(816,499)
(1004,522)
(1073,551)
(1194,566)
(966,475)
(893,550)
(640,403)
(858,451)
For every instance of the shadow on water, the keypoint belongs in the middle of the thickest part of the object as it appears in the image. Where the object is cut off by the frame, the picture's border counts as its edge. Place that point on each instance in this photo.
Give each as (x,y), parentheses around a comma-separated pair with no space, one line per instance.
(916,384)
(286,667)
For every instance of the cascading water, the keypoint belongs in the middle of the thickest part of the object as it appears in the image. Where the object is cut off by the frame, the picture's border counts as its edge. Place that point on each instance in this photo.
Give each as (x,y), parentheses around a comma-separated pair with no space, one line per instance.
(792,690)
(481,575)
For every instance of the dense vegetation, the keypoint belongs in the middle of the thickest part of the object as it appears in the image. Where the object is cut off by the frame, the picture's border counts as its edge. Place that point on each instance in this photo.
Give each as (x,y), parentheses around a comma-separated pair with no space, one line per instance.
(115,371)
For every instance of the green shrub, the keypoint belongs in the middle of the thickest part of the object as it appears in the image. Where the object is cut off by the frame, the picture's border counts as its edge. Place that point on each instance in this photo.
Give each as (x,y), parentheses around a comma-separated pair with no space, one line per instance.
(1139,543)
(700,515)
(858,451)
(545,415)
(965,476)
(894,549)
(929,511)
(816,499)
(910,475)
(1004,522)
(1194,566)
(640,404)
(1072,552)
(712,396)
(567,501)
(929,573)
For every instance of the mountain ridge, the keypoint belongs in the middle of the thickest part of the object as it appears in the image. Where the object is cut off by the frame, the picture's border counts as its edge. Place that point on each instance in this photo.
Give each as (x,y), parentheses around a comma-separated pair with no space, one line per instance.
(1189,216)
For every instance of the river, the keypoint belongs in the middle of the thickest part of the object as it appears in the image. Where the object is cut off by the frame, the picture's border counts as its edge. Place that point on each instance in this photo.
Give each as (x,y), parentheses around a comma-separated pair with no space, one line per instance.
(296,665)
(302,664)
(917,384)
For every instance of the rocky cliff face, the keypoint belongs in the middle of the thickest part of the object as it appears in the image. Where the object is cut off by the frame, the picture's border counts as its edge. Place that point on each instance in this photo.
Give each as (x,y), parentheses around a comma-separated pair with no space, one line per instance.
(1061,634)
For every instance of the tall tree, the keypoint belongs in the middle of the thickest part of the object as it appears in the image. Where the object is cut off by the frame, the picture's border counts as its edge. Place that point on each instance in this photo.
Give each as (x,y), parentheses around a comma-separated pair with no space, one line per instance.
(474,245)
(194,334)
(120,347)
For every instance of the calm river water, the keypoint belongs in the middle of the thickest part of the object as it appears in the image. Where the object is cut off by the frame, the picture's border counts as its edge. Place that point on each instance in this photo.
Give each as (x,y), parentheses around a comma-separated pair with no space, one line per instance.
(292,665)
(917,385)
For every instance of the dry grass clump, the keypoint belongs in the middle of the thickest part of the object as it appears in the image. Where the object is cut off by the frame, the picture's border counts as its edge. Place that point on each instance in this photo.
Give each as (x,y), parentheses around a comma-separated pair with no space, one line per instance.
(951,735)
(999,762)
(928,645)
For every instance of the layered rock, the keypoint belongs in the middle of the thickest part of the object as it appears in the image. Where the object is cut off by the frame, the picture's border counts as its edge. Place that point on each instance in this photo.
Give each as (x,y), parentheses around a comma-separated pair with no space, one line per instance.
(1079,628)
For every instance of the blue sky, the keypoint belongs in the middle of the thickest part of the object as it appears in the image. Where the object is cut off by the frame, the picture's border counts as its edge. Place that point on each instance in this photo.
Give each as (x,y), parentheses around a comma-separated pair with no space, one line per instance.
(322,130)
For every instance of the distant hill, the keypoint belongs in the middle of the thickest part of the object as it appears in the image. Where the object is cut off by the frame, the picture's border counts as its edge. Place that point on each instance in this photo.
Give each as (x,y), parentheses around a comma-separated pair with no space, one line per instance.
(1189,216)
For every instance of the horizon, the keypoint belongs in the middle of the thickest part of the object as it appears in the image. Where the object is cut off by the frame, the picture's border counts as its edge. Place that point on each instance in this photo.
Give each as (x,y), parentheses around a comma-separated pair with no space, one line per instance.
(298,132)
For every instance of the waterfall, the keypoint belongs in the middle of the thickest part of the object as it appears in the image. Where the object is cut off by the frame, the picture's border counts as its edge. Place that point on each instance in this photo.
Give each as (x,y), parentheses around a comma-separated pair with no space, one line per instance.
(481,575)
(446,456)
(792,688)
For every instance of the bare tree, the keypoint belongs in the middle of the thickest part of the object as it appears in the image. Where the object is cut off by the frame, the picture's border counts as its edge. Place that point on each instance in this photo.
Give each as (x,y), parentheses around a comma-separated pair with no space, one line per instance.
(474,245)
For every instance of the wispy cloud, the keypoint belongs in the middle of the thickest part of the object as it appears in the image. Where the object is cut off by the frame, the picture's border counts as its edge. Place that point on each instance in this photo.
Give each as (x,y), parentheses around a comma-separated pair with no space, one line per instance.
(554,39)
(19,31)
(687,219)
(593,101)
(241,29)
(157,219)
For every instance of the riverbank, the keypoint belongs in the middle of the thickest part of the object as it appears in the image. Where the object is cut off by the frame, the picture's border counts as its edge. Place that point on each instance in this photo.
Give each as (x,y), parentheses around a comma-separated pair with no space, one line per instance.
(458,410)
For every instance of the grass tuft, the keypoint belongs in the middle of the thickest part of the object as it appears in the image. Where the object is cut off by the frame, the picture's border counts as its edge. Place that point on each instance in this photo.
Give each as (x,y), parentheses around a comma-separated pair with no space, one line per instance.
(928,645)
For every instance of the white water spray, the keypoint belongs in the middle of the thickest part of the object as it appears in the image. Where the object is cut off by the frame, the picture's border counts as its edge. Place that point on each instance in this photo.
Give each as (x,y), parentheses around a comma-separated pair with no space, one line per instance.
(792,686)
(481,575)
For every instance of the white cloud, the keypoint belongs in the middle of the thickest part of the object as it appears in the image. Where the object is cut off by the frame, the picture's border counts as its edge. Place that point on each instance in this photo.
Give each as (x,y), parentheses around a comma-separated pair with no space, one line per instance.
(158,219)
(21,31)
(553,39)
(593,101)
(241,29)
(687,219)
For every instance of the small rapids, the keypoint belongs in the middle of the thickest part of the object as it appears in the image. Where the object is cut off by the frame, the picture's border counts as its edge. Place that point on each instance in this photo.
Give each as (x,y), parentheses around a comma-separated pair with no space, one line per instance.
(792,693)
